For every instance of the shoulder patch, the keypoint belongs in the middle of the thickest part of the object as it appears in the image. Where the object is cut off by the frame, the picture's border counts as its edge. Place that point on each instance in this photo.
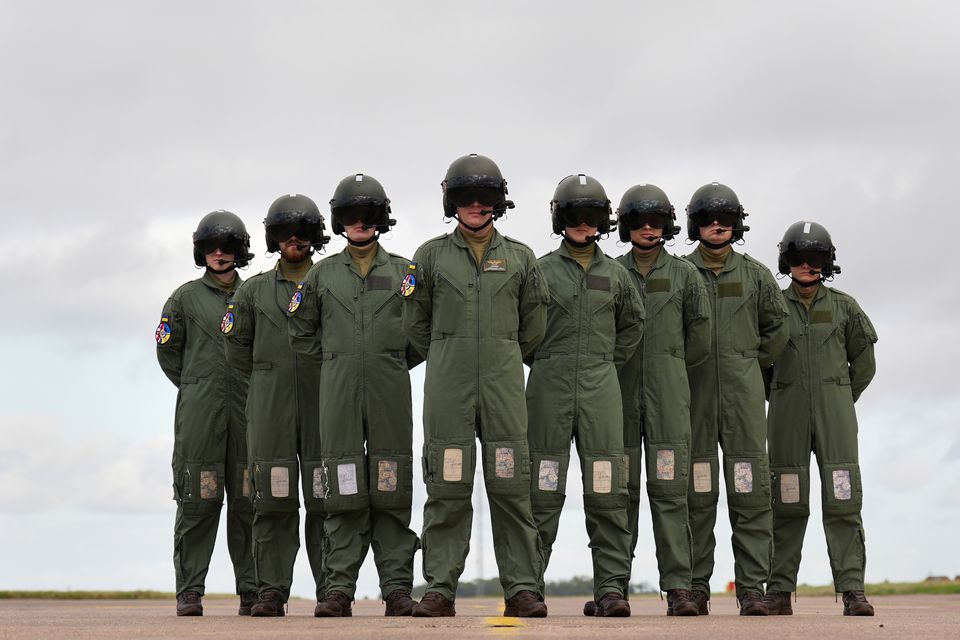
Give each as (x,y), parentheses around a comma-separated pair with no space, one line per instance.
(163,331)
(296,299)
(226,325)
(409,282)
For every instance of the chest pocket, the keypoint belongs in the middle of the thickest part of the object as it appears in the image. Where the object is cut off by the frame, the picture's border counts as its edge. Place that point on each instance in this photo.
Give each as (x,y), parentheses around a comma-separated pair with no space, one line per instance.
(449,300)
(602,321)
(502,293)
(737,304)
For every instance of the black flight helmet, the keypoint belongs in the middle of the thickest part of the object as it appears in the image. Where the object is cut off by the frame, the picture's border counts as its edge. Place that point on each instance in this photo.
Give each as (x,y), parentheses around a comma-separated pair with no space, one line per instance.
(810,243)
(581,199)
(646,204)
(360,198)
(225,230)
(294,215)
(718,202)
(474,178)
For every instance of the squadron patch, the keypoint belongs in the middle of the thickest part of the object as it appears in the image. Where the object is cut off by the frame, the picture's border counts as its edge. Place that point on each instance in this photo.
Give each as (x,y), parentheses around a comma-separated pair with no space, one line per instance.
(226,325)
(296,299)
(163,331)
(408,285)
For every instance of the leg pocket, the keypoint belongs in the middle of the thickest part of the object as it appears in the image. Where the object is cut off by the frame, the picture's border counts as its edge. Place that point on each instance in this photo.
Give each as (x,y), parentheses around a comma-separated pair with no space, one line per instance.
(841,488)
(667,469)
(275,485)
(790,490)
(748,481)
(704,487)
(391,480)
(449,468)
(548,477)
(200,486)
(346,483)
(605,481)
(506,467)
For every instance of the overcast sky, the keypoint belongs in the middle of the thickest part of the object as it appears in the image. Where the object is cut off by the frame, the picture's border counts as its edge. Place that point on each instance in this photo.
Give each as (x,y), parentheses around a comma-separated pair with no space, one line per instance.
(123,123)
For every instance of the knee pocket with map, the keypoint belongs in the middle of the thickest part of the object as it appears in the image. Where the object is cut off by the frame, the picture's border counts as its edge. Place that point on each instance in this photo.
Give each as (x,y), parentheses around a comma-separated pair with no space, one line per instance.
(448,469)
(668,465)
(313,486)
(605,482)
(548,477)
(343,482)
(198,487)
(275,485)
(748,481)
(790,490)
(704,488)
(391,480)
(841,488)
(506,467)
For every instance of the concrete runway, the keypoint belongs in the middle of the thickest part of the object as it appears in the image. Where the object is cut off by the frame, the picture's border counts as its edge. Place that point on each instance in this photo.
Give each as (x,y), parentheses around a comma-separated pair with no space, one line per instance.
(814,619)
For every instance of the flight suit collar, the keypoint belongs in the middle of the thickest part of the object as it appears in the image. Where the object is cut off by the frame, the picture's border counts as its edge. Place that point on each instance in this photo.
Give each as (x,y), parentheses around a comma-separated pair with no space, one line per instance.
(458,240)
(208,280)
(790,293)
(379,258)
(733,260)
(662,258)
(597,254)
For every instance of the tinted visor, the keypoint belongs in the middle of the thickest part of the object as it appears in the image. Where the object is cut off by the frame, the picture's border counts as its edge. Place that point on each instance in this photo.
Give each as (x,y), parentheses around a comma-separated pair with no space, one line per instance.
(302,230)
(466,196)
(636,220)
(815,259)
(230,245)
(576,216)
(724,218)
(367,214)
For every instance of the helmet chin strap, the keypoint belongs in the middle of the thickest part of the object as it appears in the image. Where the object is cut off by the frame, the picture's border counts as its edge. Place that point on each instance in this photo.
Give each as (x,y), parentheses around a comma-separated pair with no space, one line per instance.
(232,267)
(361,243)
(813,283)
(478,228)
(581,245)
(716,245)
(659,243)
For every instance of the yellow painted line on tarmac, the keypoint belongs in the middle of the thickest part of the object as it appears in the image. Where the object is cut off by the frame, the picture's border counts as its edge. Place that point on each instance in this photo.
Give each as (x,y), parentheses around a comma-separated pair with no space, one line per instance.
(502,624)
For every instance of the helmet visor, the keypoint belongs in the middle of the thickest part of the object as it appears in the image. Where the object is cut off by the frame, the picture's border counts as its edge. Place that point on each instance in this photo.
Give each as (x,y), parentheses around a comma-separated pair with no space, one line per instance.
(814,259)
(723,218)
(351,215)
(303,230)
(466,196)
(228,245)
(637,220)
(576,216)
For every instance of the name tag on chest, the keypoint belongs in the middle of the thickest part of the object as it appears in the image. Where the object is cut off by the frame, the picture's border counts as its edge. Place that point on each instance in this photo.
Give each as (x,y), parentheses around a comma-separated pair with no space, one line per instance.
(495,264)
(379,283)
(658,285)
(821,317)
(730,290)
(600,283)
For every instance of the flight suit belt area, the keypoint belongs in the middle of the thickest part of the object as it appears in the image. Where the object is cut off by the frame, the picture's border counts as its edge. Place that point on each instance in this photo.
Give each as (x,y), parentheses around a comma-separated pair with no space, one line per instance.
(543,355)
(333,355)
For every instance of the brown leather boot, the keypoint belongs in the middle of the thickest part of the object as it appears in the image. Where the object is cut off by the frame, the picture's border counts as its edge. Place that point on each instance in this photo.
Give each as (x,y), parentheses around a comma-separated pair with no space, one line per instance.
(399,603)
(188,604)
(680,603)
(751,604)
(590,608)
(612,605)
(335,604)
(269,605)
(778,603)
(702,600)
(855,604)
(525,604)
(434,605)
(247,600)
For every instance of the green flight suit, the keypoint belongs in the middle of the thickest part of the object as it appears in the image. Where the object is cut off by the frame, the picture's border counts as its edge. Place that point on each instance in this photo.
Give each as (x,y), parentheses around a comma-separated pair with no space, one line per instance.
(475,324)
(827,364)
(656,405)
(282,409)
(209,441)
(366,418)
(594,324)
(727,407)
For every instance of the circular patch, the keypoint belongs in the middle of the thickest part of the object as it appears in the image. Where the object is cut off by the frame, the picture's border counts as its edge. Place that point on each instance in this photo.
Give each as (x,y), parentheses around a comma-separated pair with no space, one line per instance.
(295,301)
(163,333)
(408,285)
(227,325)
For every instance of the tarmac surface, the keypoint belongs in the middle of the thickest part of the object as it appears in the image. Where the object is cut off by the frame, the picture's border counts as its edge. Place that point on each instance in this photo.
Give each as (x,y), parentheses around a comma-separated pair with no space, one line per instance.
(919,616)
